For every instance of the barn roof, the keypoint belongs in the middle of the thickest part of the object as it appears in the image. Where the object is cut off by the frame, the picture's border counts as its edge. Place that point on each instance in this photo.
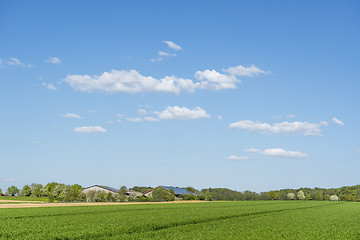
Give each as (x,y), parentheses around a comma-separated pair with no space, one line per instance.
(104,187)
(178,190)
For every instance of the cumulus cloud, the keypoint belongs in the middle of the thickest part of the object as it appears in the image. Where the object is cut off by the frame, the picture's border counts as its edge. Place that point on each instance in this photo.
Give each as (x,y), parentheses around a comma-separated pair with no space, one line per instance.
(215,80)
(303,128)
(71,115)
(278,152)
(182,113)
(49,86)
(128,81)
(220,117)
(172,45)
(133,82)
(134,119)
(90,129)
(53,60)
(245,71)
(337,121)
(237,158)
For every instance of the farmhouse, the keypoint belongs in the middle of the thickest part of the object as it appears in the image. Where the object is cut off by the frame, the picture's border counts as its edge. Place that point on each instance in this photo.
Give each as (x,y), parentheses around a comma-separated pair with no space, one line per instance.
(177,191)
(100,188)
(106,190)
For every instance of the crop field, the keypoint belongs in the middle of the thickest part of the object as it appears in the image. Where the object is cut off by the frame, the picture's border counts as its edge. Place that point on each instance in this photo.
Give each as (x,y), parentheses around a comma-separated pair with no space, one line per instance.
(207,220)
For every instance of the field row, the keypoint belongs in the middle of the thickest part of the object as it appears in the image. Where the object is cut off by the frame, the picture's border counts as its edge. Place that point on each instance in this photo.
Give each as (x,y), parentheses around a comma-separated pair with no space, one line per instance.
(211,220)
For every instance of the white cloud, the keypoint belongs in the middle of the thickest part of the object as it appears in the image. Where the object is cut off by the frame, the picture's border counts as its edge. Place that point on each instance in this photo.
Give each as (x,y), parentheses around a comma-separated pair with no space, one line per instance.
(14,61)
(134,119)
(279,152)
(252,150)
(182,113)
(133,82)
(91,111)
(142,111)
(215,80)
(358,150)
(166,54)
(237,158)
(49,86)
(54,60)
(172,45)
(303,128)
(128,81)
(35,142)
(90,129)
(220,117)
(71,115)
(337,121)
(151,119)
(245,71)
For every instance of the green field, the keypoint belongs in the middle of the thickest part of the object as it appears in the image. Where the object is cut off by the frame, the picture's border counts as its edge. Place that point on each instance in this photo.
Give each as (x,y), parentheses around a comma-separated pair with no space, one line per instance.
(209,220)
(21,198)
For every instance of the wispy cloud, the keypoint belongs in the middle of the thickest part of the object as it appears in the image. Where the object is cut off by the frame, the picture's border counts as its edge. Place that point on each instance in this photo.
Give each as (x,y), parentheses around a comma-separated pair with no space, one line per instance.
(166,54)
(71,115)
(302,128)
(337,121)
(237,158)
(137,119)
(90,129)
(172,45)
(49,86)
(278,152)
(14,62)
(53,60)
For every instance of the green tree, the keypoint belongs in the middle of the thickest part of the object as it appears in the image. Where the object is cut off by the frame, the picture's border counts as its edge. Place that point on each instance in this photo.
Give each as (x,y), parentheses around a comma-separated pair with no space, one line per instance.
(301,195)
(291,196)
(0,191)
(26,191)
(110,197)
(160,195)
(12,191)
(273,195)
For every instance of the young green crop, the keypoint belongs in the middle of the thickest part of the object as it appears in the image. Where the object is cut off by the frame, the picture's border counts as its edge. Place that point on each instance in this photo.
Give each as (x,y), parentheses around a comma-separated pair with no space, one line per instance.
(210,220)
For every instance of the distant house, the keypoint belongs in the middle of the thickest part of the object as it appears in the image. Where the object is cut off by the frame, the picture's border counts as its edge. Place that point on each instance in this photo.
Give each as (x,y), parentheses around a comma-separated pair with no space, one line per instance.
(100,188)
(177,191)
(107,189)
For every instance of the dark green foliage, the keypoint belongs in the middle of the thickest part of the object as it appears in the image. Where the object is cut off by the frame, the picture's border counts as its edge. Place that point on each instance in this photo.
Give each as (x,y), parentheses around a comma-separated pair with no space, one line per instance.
(12,191)
(160,194)
(141,189)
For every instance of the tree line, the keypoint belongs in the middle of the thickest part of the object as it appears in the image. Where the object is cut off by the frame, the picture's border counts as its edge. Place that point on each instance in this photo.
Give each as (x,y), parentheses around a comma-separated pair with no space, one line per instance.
(70,193)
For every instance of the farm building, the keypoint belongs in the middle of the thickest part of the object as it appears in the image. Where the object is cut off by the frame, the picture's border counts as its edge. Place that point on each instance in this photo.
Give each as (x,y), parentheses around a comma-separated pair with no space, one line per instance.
(177,191)
(107,189)
(100,188)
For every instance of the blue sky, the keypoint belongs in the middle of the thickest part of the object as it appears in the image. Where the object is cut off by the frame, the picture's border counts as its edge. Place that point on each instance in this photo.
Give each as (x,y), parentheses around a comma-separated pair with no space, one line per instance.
(248,95)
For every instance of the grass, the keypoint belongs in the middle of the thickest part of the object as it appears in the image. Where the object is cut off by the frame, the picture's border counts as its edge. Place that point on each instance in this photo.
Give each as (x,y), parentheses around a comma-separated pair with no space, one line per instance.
(211,220)
(21,198)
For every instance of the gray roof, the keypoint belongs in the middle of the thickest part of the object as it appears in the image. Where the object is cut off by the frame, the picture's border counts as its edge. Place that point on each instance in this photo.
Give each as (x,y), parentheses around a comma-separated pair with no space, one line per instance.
(179,191)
